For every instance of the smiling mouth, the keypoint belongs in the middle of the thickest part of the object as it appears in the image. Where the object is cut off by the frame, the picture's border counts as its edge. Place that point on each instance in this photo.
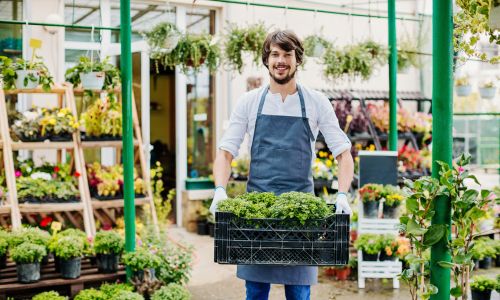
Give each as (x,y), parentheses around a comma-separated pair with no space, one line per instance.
(281,68)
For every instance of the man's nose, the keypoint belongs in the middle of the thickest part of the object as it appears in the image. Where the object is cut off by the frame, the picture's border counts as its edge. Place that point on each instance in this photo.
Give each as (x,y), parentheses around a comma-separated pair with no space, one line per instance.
(281,59)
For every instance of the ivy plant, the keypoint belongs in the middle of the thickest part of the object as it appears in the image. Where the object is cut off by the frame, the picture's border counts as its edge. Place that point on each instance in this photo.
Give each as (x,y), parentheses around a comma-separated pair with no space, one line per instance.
(86,65)
(239,40)
(8,70)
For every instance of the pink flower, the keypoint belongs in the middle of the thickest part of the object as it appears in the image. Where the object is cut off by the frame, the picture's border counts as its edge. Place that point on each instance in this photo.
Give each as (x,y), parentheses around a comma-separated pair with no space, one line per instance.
(18,173)
(460,169)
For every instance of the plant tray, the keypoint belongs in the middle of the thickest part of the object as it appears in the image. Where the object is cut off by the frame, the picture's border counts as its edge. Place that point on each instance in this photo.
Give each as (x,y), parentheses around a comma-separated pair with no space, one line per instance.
(91,138)
(115,197)
(199,184)
(36,200)
(323,242)
(54,138)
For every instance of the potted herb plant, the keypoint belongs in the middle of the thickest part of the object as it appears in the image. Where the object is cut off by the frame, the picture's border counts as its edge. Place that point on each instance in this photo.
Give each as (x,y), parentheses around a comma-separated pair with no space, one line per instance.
(239,40)
(463,87)
(94,75)
(4,246)
(316,45)
(27,257)
(90,294)
(488,90)
(370,245)
(171,291)
(483,252)
(22,74)
(162,39)
(141,259)
(194,51)
(393,199)
(70,250)
(482,286)
(49,296)
(127,295)
(102,120)
(370,196)
(108,246)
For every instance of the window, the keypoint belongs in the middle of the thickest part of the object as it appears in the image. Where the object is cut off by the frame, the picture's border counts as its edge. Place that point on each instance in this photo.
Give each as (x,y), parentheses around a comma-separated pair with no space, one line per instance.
(11,37)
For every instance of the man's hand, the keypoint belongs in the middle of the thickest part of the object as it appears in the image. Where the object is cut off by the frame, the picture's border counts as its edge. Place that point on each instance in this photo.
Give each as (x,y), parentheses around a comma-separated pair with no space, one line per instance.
(219,195)
(342,205)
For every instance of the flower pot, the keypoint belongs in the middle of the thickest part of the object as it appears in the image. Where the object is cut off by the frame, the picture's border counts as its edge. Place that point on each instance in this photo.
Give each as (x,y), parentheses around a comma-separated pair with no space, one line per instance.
(484,295)
(318,50)
(3,261)
(107,263)
(23,82)
(45,260)
(463,90)
(343,274)
(171,42)
(486,263)
(27,273)
(211,229)
(390,212)
(93,261)
(319,183)
(488,93)
(202,227)
(385,257)
(71,268)
(104,137)
(369,257)
(497,261)
(62,137)
(370,209)
(330,271)
(140,274)
(92,80)
(57,263)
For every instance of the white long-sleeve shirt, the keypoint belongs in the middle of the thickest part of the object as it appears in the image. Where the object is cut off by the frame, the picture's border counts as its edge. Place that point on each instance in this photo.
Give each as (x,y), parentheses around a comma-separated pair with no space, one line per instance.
(319,112)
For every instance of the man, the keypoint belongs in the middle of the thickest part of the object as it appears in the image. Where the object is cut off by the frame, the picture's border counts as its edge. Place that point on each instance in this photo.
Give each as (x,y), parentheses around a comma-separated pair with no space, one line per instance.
(282,120)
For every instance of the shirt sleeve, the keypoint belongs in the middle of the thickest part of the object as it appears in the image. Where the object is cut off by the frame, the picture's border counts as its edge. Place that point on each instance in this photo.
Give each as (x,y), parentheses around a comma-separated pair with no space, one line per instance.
(335,138)
(235,132)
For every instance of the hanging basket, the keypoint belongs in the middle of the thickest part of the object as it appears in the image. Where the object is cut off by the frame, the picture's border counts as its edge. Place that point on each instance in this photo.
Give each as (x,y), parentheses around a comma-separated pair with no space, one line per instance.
(463,90)
(23,82)
(494,18)
(488,93)
(318,50)
(171,42)
(92,80)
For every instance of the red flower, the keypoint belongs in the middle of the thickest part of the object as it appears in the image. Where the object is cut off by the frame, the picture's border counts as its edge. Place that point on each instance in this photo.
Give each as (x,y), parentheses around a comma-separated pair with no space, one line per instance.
(106,226)
(46,222)
(77,174)
(18,173)
(56,169)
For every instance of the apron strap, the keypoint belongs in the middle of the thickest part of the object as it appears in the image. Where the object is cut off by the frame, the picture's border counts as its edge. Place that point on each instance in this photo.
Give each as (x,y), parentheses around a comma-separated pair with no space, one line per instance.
(303,110)
(262,99)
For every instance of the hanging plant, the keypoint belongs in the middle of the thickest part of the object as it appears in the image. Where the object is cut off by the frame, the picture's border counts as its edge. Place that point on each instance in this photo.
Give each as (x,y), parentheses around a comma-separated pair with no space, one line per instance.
(22,74)
(471,23)
(194,51)
(250,39)
(407,55)
(94,75)
(379,52)
(316,45)
(162,39)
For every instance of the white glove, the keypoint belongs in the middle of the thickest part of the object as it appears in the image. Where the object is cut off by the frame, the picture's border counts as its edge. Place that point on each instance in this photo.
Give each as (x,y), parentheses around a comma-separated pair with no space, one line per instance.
(219,195)
(342,205)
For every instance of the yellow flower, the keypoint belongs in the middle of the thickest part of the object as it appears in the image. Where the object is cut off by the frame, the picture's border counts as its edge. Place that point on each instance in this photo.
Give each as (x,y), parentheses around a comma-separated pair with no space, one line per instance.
(330,157)
(234,164)
(388,251)
(329,163)
(317,160)
(52,121)
(372,147)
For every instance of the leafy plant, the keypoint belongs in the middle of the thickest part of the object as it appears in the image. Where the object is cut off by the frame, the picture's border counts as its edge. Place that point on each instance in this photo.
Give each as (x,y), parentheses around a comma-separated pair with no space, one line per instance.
(103,118)
(8,70)
(462,81)
(312,41)
(27,253)
(108,242)
(371,192)
(175,265)
(172,291)
(44,189)
(31,235)
(90,294)
(73,233)
(86,65)
(300,207)
(393,195)
(126,295)
(238,40)
(142,258)
(407,54)
(162,206)
(108,181)
(369,243)
(482,248)
(111,289)
(69,247)
(161,38)
(4,245)
(49,296)
(483,283)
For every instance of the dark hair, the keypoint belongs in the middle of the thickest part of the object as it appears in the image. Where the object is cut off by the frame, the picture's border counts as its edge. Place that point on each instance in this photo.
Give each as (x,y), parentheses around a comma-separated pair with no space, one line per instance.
(286,40)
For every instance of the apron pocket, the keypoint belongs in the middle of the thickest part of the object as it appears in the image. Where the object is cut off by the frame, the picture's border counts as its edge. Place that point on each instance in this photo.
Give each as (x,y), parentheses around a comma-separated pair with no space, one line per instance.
(279,165)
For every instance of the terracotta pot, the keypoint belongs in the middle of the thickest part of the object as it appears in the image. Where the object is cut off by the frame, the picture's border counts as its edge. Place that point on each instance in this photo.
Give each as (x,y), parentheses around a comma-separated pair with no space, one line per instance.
(343,274)
(330,271)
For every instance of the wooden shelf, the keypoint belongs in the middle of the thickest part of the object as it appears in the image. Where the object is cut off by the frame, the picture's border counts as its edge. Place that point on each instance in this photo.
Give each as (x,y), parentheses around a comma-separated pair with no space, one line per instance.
(39,90)
(117,203)
(4,209)
(101,144)
(42,145)
(50,207)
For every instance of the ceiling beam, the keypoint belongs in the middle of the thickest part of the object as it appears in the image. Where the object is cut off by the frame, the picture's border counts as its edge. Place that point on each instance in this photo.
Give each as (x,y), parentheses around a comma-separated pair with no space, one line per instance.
(143,12)
(86,15)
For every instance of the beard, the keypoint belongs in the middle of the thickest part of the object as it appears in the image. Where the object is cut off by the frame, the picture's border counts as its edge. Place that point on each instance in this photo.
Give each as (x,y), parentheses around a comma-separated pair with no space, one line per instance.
(283,80)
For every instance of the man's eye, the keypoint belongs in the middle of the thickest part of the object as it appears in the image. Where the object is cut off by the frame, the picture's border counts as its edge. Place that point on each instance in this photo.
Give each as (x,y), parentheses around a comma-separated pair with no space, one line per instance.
(274,54)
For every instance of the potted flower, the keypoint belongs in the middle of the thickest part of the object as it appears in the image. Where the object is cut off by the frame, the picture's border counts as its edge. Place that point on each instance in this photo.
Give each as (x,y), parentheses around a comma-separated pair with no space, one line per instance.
(316,45)
(250,39)
(162,39)
(102,120)
(108,246)
(482,286)
(127,295)
(70,250)
(23,74)
(483,252)
(488,90)
(393,247)
(142,259)
(49,296)
(194,51)
(393,198)
(342,272)
(370,245)
(93,75)
(27,257)
(370,196)
(462,86)
(171,291)
(70,232)
(240,168)
(323,171)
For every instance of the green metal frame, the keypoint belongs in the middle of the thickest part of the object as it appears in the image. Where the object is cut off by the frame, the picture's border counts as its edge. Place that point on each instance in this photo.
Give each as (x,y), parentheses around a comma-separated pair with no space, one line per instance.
(58,25)
(393,74)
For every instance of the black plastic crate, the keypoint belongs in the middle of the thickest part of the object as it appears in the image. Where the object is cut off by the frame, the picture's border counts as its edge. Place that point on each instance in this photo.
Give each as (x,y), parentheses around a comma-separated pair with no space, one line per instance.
(241,241)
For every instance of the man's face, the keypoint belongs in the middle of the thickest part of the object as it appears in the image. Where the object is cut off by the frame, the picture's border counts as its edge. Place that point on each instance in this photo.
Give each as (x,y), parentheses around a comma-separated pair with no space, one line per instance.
(282,64)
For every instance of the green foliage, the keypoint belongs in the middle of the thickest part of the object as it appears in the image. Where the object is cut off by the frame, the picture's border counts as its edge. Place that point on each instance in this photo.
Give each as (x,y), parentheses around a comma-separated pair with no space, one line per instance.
(27,253)
(311,42)
(238,40)
(483,283)
(86,65)
(49,296)
(171,291)
(158,36)
(162,206)
(4,243)
(482,248)
(111,289)
(69,247)
(42,190)
(175,265)
(108,242)
(126,295)
(249,206)
(142,258)
(393,195)
(8,71)
(32,235)
(369,243)
(90,294)
(407,54)
(103,118)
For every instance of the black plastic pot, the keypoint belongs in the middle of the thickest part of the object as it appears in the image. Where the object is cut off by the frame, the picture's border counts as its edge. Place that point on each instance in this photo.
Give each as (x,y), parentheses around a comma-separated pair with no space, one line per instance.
(369,257)
(320,183)
(497,261)
(90,138)
(211,229)
(140,274)
(202,227)
(484,295)
(71,268)
(370,209)
(486,263)
(3,261)
(57,263)
(107,263)
(27,273)
(45,260)
(390,212)
(385,257)
(61,138)
(93,261)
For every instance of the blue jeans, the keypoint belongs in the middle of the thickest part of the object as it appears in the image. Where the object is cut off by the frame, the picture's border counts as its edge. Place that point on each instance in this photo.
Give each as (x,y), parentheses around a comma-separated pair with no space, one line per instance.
(260,291)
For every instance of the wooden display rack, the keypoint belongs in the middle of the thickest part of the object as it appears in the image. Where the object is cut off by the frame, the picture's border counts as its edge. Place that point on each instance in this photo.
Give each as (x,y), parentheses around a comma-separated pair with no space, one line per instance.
(4,204)
(73,212)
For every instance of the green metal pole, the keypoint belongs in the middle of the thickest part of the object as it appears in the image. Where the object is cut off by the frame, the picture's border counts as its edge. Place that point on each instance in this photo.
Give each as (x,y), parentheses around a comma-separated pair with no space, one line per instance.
(393,73)
(16,22)
(442,119)
(128,135)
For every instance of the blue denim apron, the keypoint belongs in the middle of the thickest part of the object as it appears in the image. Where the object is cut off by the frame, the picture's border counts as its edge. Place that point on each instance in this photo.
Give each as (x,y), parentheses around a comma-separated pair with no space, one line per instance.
(281,158)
